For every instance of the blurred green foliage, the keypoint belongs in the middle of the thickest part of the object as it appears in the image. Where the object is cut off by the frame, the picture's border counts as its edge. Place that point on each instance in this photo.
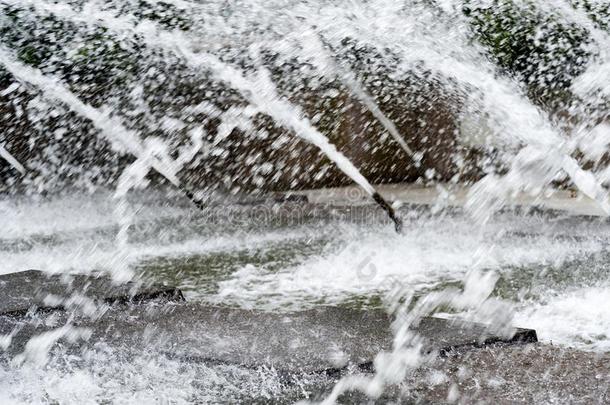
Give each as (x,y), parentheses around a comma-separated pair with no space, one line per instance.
(536,46)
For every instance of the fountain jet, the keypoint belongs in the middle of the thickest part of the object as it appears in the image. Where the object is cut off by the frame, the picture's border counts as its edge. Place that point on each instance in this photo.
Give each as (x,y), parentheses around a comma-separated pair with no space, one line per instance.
(11,160)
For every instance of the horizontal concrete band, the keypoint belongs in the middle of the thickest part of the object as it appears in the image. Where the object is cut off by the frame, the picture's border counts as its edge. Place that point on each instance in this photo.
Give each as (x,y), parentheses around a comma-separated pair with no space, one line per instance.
(446,195)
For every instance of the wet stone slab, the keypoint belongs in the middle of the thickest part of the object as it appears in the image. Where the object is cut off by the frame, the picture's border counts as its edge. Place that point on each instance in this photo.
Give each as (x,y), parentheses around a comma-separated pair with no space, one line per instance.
(246,345)
(321,340)
(447,335)
(318,340)
(34,289)
(524,374)
(327,339)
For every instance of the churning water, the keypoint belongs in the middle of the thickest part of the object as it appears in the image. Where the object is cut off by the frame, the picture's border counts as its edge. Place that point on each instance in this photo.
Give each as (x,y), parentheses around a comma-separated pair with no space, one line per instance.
(112,111)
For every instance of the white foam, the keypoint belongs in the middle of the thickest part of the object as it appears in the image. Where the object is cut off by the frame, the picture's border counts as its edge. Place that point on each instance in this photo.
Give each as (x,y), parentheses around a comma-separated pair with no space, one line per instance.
(578,318)
(431,252)
(76,233)
(104,375)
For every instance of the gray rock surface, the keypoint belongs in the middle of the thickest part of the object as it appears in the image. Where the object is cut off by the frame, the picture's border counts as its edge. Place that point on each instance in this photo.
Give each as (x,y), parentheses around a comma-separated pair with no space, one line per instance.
(524,374)
(33,289)
(319,340)
(308,350)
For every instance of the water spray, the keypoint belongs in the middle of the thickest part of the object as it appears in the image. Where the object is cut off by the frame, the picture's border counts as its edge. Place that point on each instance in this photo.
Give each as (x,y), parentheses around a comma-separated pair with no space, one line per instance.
(257,88)
(125,140)
(11,160)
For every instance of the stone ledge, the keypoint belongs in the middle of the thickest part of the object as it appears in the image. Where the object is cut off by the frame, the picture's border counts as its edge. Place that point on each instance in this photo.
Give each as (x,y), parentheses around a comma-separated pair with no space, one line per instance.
(325,339)
(28,290)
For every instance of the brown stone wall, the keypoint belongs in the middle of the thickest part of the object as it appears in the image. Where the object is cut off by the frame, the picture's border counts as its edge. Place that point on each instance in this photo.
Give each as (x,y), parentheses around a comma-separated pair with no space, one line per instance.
(282,161)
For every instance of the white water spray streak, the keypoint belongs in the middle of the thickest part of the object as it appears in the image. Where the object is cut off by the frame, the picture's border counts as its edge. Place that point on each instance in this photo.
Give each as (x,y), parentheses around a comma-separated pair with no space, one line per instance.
(150,154)
(514,117)
(595,78)
(314,50)
(37,348)
(122,139)
(407,346)
(5,154)
(257,88)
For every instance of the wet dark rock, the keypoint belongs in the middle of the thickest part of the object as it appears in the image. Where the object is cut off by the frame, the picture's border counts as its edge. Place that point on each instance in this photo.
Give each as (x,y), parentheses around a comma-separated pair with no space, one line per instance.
(33,289)
(527,374)
(308,351)
(447,336)
(325,339)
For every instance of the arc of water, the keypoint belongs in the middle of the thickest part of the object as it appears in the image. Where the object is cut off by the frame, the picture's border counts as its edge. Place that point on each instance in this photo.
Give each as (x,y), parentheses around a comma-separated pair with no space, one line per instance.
(317,52)
(596,75)
(583,179)
(260,91)
(149,154)
(11,160)
(121,138)
(159,39)
(593,80)
(528,126)
(257,89)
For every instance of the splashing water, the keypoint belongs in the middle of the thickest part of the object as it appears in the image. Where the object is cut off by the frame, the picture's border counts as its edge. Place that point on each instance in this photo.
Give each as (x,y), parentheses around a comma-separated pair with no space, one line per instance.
(132,95)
